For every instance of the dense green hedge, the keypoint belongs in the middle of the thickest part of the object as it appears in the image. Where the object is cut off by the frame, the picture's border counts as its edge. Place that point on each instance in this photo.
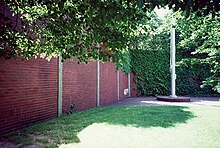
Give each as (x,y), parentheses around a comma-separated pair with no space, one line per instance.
(151,69)
(152,74)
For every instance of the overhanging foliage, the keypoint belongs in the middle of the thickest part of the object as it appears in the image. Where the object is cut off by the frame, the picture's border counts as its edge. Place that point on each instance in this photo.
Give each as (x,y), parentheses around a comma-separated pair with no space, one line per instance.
(79,28)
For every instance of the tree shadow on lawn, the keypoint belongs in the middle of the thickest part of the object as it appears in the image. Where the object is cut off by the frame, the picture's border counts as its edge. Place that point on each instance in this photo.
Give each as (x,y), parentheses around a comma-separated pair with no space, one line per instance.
(66,128)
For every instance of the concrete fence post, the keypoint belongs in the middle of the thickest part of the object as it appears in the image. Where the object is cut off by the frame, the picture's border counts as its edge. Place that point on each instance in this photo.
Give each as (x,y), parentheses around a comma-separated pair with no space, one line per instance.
(129,84)
(60,91)
(98,83)
(118,85)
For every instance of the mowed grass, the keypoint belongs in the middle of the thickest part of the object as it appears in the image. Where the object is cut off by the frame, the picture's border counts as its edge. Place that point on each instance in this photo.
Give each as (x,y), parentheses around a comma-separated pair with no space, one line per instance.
(65,129)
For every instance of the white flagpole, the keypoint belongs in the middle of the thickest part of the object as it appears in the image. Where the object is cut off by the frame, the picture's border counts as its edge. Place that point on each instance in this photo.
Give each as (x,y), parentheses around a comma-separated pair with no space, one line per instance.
(172,63)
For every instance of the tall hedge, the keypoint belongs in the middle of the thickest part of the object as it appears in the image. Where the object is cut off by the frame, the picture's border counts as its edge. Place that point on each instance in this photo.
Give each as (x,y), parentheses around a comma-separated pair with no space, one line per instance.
(152,73)
(151,69)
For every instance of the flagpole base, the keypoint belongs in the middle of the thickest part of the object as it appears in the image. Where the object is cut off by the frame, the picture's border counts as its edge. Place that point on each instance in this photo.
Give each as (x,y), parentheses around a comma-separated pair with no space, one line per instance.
(173,99)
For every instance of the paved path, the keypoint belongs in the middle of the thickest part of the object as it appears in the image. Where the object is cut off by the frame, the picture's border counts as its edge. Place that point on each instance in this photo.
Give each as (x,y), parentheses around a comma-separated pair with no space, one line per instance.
(151,101)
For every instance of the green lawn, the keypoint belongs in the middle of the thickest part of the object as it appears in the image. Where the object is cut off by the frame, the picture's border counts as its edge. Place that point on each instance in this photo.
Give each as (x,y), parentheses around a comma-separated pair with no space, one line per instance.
(196,125)
(66,128)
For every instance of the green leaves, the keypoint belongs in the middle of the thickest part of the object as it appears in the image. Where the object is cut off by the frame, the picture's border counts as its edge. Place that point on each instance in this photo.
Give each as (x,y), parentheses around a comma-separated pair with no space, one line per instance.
(200,36)
(84,25)
(151,71)
(56,24)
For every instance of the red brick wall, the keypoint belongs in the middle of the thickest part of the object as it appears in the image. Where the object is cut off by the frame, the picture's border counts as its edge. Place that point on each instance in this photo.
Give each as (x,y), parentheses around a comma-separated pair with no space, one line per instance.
(123,84)
(79,85)
(29,89)
(108,83)
(28,92)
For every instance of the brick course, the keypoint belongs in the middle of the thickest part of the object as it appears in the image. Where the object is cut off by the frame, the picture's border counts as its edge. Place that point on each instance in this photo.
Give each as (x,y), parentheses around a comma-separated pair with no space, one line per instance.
(108,83)
(79,85)
(28,92)
(29,89)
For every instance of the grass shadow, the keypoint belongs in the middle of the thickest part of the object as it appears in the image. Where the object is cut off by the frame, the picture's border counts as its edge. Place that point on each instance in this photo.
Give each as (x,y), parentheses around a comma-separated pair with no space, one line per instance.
(65,128)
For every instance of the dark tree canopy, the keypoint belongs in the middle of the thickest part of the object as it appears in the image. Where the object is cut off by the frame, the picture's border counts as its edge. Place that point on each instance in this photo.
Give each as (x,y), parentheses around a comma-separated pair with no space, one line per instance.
(80,29)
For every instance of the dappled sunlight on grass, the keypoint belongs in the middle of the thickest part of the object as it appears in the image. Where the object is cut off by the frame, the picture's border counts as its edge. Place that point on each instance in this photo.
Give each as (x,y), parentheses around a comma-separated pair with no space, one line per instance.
(66,128)
(201,131)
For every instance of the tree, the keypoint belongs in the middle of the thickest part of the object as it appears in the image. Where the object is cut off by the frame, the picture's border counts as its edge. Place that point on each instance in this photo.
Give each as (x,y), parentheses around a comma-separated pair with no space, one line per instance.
(78,28)
(200,42)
